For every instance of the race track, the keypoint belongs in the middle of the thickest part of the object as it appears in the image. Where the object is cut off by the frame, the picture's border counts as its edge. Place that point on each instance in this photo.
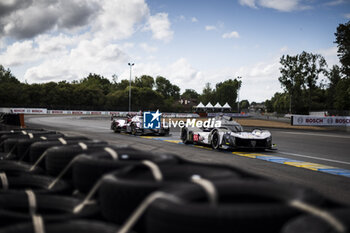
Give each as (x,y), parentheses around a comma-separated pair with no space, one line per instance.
(316,159)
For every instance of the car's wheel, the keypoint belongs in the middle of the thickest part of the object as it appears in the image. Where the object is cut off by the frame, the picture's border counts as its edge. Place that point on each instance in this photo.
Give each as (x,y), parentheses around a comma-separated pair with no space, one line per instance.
(133,130)
(215,144)
(113,125)
(184,136)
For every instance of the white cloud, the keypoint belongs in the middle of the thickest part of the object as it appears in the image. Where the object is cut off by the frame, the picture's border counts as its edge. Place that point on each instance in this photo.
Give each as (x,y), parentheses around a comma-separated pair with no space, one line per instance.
(148,48)
(260,80)
(210,28)
(280,5)
(250,3)
(159,24)
(127,45)
(89,56)
(335,3)
(2,43)
(48,44)
(19,53)
(284,49)
(117,19)
(194,20)
(347,16)
(230,35)
(26,19)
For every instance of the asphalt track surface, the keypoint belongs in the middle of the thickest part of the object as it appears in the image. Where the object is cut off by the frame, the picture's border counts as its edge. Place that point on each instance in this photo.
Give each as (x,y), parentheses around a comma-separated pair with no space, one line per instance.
(316,159)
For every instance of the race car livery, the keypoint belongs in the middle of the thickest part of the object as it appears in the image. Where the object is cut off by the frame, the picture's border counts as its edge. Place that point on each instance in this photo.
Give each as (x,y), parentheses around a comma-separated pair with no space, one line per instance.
(229,135)
(136,127)
(119,124)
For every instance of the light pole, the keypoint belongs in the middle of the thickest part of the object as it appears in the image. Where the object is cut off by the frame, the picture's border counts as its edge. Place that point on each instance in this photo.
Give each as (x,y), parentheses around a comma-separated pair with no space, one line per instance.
(130,64)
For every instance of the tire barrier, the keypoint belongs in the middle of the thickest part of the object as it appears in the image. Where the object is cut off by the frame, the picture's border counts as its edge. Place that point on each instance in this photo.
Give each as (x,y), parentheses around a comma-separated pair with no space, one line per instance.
(25,134)
(51,182)
(17,167)
(11,119)
(11,146)
(243,206)
(89,169)
(38,183)
(52,208)
(23,145)
(20,131)
(37,149)
(58,158)
(123,192)
(337,221)
(76,226)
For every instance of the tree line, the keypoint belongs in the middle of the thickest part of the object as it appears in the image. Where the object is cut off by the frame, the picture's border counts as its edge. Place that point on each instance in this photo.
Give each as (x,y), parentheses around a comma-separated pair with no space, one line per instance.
(310,86)
(308,83)
(96,92)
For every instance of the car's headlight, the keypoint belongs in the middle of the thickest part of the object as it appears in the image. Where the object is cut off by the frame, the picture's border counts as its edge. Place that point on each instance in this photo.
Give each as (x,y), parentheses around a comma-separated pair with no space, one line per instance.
(229,139)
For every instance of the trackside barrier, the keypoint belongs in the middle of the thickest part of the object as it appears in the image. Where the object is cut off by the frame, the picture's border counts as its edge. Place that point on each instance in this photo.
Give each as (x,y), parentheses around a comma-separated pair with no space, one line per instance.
(118,113)
(320,121)
(236,115)
(29,110)
(84,112)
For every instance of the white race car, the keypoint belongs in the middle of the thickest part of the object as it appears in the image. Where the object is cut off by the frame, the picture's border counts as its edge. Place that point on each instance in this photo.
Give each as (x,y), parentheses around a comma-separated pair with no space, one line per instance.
(135,127)
(119,124)
(229,136)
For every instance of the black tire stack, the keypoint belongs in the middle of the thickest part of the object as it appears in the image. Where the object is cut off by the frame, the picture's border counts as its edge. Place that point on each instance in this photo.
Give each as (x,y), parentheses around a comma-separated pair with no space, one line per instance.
(84,185)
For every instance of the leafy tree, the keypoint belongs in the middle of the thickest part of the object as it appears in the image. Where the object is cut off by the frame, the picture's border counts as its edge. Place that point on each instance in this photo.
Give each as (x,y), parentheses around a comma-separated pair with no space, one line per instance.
(89,98)
(208,94)
(334,76)
(291,79)
(244,104)
(165,88)
(269,106)
(227,91)
(7,77)
(122,85)
(343,41)
(300,73)
(342,97)
(96,81)
(312,66)
(10,94)
(190,94)
(117,100)
(144,81)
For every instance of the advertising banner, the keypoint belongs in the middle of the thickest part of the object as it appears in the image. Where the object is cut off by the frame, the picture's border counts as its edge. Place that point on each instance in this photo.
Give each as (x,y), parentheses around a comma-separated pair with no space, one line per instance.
(320,121)
(29,110)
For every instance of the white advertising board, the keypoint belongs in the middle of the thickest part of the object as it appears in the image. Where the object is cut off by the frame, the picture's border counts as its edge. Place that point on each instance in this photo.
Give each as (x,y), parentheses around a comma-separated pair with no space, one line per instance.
(320,121)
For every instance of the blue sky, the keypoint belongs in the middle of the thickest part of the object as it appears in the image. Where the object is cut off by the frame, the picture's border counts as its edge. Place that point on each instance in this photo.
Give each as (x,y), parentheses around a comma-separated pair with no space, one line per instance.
(188,42)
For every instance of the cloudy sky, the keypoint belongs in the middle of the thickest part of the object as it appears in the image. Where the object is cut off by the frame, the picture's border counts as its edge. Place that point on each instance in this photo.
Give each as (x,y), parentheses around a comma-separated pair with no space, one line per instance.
(190,42)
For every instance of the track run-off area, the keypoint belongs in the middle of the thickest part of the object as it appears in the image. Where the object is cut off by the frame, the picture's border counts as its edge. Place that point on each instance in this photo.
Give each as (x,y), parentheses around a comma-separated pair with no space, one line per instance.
(318,159)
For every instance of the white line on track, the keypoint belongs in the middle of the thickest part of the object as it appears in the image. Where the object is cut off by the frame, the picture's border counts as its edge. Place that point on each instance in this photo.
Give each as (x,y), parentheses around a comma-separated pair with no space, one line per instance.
(318,134)
(312,157)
